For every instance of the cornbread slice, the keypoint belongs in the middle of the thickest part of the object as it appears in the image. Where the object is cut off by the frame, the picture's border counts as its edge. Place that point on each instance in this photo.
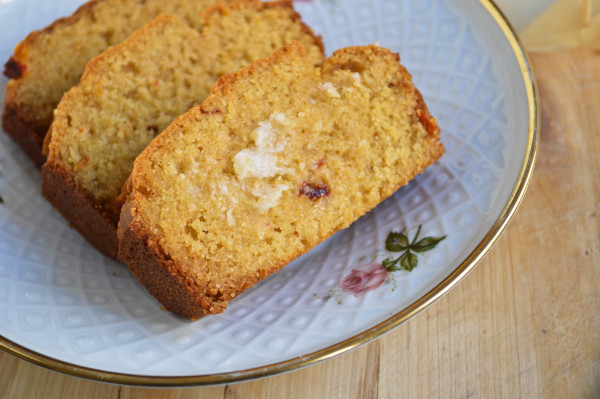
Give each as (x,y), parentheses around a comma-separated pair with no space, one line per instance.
(134,90)
(279,157)
(49,62)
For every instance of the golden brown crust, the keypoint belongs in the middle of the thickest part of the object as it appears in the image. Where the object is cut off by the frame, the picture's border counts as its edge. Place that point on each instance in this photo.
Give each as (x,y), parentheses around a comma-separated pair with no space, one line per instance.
(163,277)
(95,222)
(431,126)
(155,272)
(21,53)
(422,112)
(164,280)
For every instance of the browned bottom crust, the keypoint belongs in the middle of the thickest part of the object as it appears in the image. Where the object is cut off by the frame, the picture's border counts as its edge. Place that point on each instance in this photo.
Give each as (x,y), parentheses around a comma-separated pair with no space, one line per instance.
(157,273)
(94,222)
(27,136)
(162,276)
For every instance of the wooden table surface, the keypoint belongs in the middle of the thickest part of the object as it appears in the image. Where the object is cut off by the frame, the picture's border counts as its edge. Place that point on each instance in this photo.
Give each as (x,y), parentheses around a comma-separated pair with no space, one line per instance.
(524,324)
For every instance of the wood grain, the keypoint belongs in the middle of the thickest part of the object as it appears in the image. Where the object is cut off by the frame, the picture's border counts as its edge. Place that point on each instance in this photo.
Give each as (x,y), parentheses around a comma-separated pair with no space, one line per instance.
(524,324)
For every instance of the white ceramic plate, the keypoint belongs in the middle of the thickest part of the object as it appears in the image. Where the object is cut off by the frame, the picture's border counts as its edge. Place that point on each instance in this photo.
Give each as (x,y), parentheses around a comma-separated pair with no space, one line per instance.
(64,306)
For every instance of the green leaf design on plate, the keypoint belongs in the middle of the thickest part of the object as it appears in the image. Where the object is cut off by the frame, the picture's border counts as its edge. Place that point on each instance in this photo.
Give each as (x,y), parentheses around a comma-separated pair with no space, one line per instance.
(396,242)
(408,260)
(426,244)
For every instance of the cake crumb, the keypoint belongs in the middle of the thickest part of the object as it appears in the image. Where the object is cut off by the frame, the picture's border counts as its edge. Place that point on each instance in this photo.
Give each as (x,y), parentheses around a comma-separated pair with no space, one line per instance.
(230,219)
(330,89)
(268,196)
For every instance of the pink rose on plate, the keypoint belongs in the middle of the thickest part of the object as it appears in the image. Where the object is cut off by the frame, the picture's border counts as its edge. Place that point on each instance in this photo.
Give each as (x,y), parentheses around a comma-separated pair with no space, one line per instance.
(364,278)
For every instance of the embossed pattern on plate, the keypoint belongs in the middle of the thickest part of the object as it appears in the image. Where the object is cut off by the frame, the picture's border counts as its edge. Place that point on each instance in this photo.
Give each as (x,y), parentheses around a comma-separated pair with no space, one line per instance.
(62,299)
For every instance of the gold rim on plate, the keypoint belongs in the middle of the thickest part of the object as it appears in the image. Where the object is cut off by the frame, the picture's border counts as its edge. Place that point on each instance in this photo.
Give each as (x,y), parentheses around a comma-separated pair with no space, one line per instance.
(399,318)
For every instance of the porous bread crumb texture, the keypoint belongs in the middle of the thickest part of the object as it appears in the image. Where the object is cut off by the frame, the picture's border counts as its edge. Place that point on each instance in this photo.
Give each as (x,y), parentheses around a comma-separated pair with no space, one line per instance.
(134,90)
(342,139)
(54,58)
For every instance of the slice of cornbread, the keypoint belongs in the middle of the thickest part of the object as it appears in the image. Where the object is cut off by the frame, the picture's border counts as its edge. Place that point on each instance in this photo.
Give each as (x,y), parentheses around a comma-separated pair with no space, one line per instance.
(49,62)
(134,90)
(279,157)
